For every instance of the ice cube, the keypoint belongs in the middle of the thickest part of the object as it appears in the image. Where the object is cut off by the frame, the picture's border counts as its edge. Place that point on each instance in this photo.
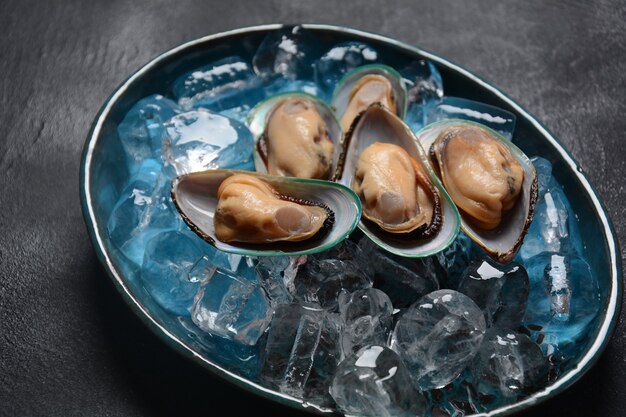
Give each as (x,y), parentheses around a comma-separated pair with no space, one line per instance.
(321,280)
(168,259)
(242,266)
(543,167)
(366,318)
(230,354)
(438,336)
(564,299)
(341,59)
(239,113)
(500,291)
(244,166)
(554,227)
(282,85)
(141,131)
(375,382)
(204,267)
(496,118)
(231,306)
(273,272)
(143,210)
(326,274)
(422,81)
(214,78)
(508,366)
(457,399)
(199,140)
(223,84)
(454,260)
(345,251)
(302,352)
(404,280)
(424,87)
(286,52)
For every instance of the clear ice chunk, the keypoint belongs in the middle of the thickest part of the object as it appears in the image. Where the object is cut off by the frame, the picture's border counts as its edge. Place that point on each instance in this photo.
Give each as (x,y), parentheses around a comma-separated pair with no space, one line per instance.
(438,336)
(404,280)
(422,81)
(543,167)
(282,85)
(239,113)
(204,267)
(457,399)
(424,87)
(366,318)
(508,366)
(141,131)
(496,118)
(286,52)
(276,273)
(200,140)
(326,274)
(244,166)
(500,291)
(374,382)
(232,307)
(554,227)
(345,251)
(169,257)
(564,299)
(143,210)
(243,266)
(231,355)
(214,78)
(221,85)
(302,352)
(341,59)
(454,260)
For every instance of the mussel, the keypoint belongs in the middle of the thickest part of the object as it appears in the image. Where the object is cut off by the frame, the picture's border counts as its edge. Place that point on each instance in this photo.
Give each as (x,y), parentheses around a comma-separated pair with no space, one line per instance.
(296,135)
(395,192)
(254,214)
(405,208)
(250,210)
(491,181)
(367,85)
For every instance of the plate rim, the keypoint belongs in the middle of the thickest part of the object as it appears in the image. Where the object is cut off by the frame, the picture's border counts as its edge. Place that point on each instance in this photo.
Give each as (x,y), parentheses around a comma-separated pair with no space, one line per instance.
(611,314)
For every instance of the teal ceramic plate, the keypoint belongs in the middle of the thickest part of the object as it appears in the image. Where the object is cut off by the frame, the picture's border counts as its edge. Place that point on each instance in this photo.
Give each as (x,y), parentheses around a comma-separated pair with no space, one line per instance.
(103,158)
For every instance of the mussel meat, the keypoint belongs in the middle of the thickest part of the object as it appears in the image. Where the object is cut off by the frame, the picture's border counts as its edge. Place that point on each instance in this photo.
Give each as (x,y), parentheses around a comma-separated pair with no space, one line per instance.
(250,211)
(395,192)
(296,141)
(479,172)
(371,88)
(296,135)
(490,180)
(406,210)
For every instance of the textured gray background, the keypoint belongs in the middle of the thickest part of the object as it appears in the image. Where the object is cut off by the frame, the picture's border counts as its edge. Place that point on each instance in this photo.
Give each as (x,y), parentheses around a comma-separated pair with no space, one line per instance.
(69,346)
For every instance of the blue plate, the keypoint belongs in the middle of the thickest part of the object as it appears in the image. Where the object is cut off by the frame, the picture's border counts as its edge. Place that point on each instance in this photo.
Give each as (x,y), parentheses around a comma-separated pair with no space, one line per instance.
(103,166)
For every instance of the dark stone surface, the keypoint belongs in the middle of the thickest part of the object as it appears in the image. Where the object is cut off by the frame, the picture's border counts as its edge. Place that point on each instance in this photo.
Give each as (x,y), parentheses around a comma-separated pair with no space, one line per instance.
(69,346)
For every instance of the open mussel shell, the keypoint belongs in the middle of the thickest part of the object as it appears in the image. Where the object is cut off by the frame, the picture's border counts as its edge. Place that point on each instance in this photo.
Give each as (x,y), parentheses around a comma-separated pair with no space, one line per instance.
(195,197)
(377,124)
(502,242)
(259,116)
(343,90)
